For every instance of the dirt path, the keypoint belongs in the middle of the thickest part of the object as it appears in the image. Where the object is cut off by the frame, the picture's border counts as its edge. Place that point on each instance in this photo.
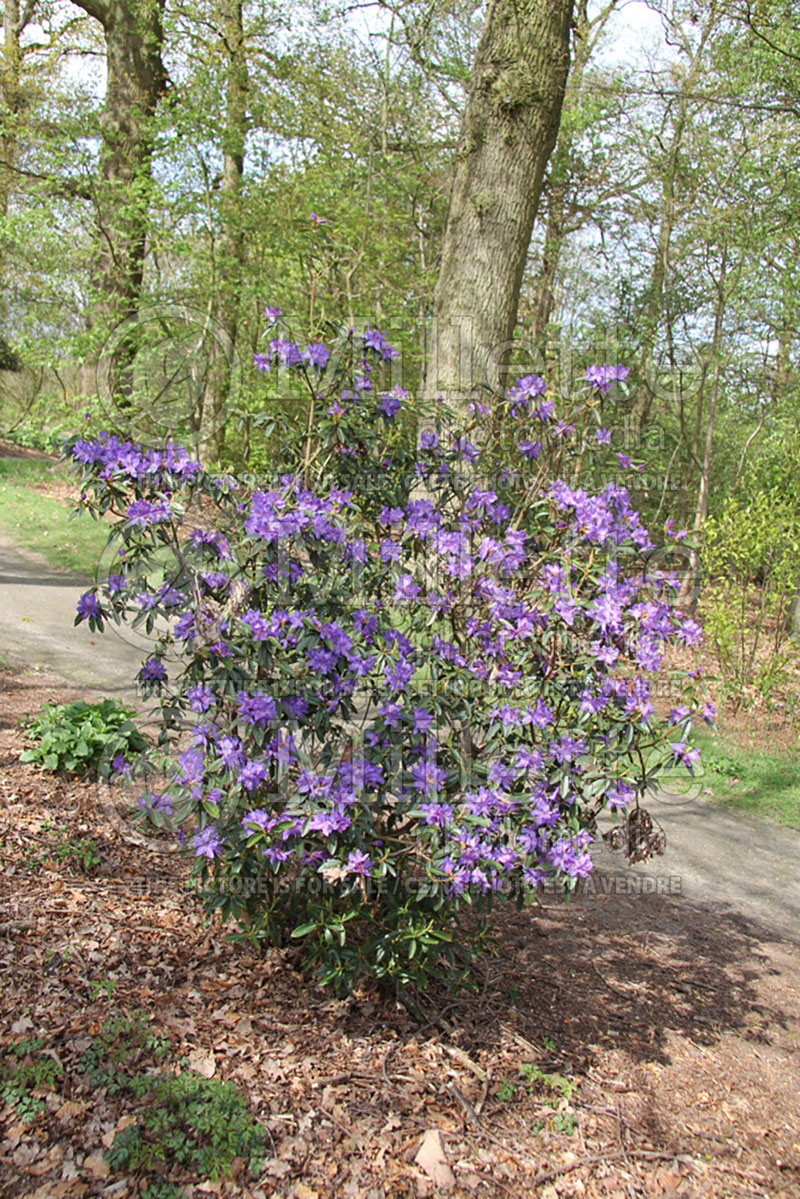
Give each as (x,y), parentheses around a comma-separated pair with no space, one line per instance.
(715,856)
(37,611)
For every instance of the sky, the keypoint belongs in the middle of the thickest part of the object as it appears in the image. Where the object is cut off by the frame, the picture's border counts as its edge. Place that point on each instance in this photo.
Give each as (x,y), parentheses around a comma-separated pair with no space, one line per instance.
(634,34)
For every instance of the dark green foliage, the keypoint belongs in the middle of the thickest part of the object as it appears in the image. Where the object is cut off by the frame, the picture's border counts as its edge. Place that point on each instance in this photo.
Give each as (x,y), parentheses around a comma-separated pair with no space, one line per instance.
(79,738)
(195,1123)
(123,1045)
(28,1070)
(9,359)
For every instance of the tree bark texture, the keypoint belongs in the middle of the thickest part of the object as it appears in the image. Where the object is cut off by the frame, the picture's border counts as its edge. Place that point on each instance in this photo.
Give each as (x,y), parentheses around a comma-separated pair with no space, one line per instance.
(230,249)
(136,81)
(508,132)
(11,103)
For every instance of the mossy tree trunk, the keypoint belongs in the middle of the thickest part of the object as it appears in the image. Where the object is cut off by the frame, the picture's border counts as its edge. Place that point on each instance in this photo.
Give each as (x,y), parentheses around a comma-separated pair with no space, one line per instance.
(508,132)
(136,81)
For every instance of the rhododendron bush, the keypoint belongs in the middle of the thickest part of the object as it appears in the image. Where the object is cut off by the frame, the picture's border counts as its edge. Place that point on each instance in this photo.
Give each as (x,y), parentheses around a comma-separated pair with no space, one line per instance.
(404,674)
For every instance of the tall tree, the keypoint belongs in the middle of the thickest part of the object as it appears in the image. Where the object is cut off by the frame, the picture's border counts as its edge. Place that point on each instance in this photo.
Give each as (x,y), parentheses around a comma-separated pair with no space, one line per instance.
(15,18)
(575,176)
(135,82)
(508,132)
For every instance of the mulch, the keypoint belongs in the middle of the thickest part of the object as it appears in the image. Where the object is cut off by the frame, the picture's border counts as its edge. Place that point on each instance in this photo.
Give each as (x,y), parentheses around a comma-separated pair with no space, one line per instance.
(678,1026)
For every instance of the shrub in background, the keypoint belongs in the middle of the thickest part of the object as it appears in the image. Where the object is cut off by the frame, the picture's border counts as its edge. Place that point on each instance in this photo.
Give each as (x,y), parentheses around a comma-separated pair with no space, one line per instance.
(752,563)
(82,738)
(416,661)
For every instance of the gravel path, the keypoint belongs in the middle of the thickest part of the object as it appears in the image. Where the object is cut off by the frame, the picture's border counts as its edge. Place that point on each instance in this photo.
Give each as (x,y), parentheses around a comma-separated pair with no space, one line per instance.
(730,862)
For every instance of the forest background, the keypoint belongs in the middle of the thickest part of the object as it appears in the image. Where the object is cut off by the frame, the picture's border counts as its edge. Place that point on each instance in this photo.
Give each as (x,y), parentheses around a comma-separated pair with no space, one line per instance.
(168,169)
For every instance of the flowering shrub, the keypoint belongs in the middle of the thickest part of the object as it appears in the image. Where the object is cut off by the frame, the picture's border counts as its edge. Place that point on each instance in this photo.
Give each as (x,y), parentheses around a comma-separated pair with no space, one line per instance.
(416,663)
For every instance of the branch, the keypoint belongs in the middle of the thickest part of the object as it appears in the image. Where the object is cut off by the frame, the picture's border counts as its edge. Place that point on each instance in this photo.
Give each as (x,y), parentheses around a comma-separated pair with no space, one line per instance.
(69,189)
(95,8)
(24,17)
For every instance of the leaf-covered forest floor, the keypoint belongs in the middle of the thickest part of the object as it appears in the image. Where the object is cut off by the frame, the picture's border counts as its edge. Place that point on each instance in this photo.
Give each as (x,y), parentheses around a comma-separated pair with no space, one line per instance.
(618,1046)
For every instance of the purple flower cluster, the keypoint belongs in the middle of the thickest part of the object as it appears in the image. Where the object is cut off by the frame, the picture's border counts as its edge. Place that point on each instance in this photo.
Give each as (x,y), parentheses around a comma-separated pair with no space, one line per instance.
(108,457)
(601,377)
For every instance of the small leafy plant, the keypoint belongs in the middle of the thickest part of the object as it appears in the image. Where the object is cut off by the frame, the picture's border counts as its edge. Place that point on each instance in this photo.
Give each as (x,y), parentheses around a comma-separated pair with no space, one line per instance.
(29,1075)
(196,1123)
(531,1078)
(63,848)
(120,1050)
(79,738)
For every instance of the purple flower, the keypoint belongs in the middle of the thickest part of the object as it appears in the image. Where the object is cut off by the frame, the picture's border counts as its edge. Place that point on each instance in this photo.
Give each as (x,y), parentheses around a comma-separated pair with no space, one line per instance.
(619,796)
(256,709)
(296,706)
(392,401)
(144,513)
(423,720)
(437,814)
(285,351)
(150,802)
(252,774)
(682,753)
(88,606)
(427,777)
(601,377)
(200,697)
(463,448)
(316,354)
(153,671)
(272,314)
(207,843)
(259,819)
(524,390)
(119,765)
(406,588)
(359,863)
(690,632)
(391,714)
(398,675)
(603,436)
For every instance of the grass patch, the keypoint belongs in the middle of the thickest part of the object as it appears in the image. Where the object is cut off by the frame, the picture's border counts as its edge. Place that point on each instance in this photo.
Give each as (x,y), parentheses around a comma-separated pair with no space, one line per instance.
(751,780)
(39,522)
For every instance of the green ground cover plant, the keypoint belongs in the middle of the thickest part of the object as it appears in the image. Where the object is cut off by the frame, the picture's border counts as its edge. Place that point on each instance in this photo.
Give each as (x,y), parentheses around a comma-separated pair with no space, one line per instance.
(83,738)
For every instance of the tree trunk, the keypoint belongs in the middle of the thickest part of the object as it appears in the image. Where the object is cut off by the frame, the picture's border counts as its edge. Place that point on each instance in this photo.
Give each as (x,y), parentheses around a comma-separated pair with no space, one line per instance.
(14,21)
(136,80)
(587,32)
(229,261)
(508,132)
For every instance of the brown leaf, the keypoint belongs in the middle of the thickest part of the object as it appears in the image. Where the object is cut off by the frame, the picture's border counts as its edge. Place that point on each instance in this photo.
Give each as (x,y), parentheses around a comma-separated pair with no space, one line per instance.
(431,1158)
(276,1168)
(25,1154)
(69,1109)
(97,1166)
(203,1061)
